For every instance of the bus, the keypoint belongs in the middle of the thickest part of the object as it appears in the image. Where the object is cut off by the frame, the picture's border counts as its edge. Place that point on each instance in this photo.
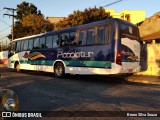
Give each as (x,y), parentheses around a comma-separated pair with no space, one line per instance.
(110,46)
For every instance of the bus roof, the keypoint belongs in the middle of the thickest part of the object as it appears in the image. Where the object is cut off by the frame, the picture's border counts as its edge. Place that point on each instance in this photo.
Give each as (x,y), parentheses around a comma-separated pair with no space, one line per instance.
(77,27)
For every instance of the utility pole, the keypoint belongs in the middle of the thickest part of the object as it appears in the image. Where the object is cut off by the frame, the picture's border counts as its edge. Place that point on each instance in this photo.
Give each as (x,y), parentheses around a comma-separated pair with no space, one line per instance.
(13,16)
(0,46)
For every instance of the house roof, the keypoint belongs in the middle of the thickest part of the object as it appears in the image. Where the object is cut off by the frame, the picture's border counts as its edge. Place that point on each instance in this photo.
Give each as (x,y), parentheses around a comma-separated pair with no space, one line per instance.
(54,19)
(153,36)
(150,28)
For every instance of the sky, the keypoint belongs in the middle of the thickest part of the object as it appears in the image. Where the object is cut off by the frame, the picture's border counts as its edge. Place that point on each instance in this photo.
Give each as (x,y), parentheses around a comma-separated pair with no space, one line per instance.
(62,8)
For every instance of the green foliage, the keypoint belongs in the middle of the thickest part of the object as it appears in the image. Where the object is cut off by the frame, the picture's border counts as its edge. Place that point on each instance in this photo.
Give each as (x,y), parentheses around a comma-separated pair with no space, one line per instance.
(25,9)
(30,21)
(36,23)
(86,16)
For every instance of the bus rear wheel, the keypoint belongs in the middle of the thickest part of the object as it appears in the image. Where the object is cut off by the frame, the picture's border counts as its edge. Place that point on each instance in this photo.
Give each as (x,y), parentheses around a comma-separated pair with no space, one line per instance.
(17,67)
(59,70)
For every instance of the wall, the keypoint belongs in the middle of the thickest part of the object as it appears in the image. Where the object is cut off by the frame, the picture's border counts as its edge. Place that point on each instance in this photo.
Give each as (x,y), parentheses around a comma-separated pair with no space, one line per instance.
(134,16)
(153,60)
(3,57)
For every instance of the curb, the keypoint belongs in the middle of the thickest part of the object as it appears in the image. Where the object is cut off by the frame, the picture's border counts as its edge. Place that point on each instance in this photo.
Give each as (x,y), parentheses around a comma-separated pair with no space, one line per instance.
(154,81)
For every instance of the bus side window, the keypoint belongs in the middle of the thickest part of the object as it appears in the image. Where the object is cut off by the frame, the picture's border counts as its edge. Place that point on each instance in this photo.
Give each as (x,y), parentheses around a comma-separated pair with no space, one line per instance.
(22,44)
(90,37)
(36,43)
(42,42)
(18,46)
(30,46)
(49,41)
(65,37)
(100,39)
(82,37)
(72,38)
(55,38)
(25,45)
(107,34)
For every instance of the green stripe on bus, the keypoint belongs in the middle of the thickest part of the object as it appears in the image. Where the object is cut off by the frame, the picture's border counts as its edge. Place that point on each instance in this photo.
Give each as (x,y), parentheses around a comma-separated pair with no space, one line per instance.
(12,61)
(37,62)
(98,64)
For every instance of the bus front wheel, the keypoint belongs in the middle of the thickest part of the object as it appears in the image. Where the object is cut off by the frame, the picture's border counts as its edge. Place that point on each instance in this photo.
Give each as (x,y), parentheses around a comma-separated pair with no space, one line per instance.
(59,70)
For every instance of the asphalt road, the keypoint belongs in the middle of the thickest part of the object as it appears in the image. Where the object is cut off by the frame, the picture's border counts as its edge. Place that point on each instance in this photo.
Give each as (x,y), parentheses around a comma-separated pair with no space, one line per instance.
(39,91)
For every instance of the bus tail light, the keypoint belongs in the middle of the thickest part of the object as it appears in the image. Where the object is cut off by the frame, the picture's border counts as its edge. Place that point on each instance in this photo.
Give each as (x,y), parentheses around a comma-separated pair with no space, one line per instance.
(119,58)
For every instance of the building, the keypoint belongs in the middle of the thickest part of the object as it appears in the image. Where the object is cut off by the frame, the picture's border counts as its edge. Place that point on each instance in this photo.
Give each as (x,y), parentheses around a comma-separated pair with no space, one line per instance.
(150,33)
(133,16)
(54,20)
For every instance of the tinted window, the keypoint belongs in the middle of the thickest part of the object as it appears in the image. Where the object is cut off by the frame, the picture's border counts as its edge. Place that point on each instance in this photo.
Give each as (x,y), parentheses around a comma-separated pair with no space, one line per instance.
(65,36)
(30,46)
(22,44)
(72,34)
(82,38)
(42,42)
(107,34)
(64,39)
(25,45)
(55,44)
(72,38)
(18,46)
(100,39)
(49,41)
(129,32)
(12,50)
(36,43)
(90,37)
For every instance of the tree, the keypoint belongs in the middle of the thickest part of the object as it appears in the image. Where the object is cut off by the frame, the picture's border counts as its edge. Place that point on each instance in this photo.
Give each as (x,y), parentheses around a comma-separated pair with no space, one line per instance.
(84,17)
(25,9)
(30,21)
(36,23)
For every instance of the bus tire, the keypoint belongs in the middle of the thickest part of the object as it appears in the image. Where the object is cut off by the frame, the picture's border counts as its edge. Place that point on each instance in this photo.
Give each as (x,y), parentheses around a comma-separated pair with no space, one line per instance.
(17,67)
(59,70)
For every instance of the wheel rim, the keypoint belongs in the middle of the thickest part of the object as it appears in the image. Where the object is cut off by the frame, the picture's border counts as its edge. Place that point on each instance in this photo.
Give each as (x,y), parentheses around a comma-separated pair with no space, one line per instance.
(59,70)
(18,67)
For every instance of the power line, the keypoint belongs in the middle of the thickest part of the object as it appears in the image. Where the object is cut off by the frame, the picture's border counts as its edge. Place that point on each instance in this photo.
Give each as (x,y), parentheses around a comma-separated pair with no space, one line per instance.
(5,22)
(112,3)
(3,38)
(5,29)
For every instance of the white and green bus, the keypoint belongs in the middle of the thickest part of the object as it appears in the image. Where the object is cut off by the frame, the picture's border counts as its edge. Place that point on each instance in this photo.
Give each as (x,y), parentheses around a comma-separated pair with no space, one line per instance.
(110,46)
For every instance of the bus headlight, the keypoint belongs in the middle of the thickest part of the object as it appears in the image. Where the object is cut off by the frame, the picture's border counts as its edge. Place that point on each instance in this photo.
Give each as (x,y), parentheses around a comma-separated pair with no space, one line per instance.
(10,104)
